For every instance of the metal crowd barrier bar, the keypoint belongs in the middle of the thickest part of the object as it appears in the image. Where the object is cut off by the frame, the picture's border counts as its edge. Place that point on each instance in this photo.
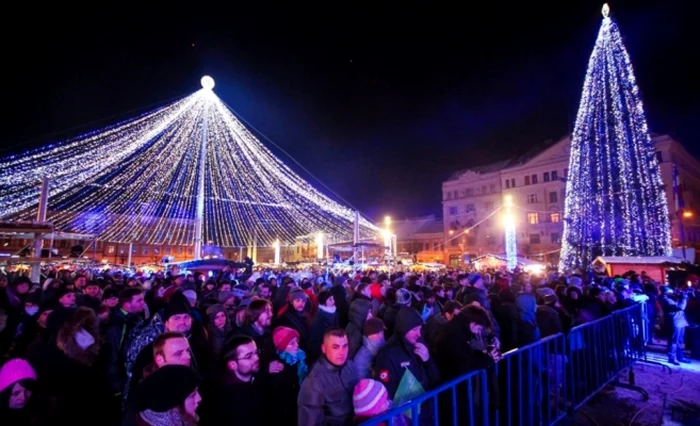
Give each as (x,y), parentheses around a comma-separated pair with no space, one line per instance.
(647,333)
(602,349)
(538,384)
(462,401)
(531,384)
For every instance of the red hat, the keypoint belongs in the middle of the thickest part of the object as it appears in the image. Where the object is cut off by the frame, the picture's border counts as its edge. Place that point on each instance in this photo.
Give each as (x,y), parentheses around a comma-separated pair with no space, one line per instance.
(376,291)
(282,336)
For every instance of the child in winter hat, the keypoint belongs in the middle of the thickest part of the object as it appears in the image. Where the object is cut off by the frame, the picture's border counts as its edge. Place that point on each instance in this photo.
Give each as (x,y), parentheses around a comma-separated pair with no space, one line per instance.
(371,399)
(286,342)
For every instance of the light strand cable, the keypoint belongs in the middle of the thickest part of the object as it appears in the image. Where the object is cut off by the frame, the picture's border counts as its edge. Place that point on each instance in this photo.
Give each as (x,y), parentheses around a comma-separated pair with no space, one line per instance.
(261,134)
(127,114)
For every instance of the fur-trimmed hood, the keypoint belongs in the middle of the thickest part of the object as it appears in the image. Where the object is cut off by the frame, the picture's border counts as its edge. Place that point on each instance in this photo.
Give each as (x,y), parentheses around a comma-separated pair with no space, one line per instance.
(83,319)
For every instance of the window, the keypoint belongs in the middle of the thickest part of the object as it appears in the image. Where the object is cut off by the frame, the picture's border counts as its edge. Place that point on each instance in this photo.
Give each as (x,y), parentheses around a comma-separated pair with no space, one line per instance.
(532,199)
(659,156)
(488,205)
(566,173)
(507,182)
(448,195)
(110,249)
(492,187)
(534,238)
(553,197)
(512,183)
(469,208)
(555,217)
(555,175)
(454,194)
(469,192)
(453,211)
(527,180)
(545,177)
(534,179)
(555,238)
(533,218)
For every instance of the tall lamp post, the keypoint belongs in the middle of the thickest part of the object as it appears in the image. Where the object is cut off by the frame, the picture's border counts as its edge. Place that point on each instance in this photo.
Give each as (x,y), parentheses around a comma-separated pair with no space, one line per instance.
(276,246)
(509,223)
(319,246)
(388,237)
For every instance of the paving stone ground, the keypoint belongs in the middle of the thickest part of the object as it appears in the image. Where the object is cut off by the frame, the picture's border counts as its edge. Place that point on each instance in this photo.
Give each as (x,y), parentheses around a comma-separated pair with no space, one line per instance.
(674,398)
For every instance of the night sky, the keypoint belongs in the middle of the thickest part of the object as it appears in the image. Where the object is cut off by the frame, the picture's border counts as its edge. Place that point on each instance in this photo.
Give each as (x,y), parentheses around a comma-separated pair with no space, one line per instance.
(380,104)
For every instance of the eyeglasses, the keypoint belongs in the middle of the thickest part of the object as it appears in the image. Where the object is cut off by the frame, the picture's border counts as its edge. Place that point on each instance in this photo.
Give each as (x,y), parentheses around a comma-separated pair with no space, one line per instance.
(249,355)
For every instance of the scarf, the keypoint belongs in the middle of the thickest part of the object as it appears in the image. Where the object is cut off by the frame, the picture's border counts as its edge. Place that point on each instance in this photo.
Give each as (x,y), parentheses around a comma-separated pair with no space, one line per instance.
(327,309)
(299,359)
(166,418)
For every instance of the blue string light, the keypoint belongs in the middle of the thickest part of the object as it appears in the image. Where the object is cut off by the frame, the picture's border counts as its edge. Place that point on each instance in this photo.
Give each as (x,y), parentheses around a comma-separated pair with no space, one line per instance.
(615,202)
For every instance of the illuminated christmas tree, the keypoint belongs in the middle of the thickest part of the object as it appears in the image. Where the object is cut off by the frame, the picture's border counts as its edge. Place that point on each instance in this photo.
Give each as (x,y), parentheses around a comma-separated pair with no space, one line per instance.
(615,202)
(189,173)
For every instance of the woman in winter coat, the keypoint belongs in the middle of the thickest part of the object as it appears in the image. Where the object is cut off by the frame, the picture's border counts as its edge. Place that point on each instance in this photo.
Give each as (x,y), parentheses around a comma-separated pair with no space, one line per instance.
(219,327)
(70,373)
(284,386)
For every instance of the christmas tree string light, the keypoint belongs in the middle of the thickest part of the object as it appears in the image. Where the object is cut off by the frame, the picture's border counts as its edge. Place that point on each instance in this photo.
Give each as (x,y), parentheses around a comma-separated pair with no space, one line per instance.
(138,181)
(615,202)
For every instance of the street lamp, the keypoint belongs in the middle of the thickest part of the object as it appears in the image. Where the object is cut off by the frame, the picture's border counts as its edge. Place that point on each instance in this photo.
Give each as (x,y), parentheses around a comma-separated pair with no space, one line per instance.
(509,224)
(319,246)
(276,245)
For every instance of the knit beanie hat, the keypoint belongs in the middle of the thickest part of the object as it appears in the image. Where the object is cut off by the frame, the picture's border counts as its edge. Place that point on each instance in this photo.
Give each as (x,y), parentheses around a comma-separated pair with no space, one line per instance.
(15,370)
(373,326)
(177,305)
(282,336)
(297,293)
(370,398)
(224,296)
(215,309)
(474,278)
(324,296)
(191,295)
(403,296)
(166,388)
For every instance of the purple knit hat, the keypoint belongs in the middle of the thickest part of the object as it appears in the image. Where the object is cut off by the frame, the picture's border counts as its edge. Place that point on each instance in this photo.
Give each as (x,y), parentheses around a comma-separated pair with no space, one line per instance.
(370,398)
(15,370)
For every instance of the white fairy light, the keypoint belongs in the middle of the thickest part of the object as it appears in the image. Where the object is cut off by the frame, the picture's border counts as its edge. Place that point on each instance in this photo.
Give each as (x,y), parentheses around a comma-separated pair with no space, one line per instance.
(615,203)
(137,182)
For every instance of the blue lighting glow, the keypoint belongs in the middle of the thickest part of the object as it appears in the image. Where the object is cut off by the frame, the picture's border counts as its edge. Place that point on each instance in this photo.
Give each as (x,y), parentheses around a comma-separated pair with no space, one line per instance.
(615,202)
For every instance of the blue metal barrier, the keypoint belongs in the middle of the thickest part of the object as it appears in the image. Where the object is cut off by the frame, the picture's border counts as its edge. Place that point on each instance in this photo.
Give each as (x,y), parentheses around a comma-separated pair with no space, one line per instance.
(532,384)
(462,401)
(538,384)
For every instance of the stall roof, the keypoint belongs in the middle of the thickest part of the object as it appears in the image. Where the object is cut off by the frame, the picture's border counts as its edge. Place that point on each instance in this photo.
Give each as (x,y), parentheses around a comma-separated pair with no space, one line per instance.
(642,260)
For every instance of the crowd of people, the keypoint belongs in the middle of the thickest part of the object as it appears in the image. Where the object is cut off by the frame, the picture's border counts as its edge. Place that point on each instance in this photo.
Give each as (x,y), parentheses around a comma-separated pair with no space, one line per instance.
(280,347)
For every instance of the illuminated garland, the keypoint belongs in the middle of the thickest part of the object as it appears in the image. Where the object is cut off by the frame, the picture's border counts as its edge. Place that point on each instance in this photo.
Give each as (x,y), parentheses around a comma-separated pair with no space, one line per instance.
(137,182)
(615,202)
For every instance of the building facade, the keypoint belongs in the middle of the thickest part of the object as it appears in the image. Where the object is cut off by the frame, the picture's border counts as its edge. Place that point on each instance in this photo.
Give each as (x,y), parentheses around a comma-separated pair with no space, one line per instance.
(421,238)
(473,221)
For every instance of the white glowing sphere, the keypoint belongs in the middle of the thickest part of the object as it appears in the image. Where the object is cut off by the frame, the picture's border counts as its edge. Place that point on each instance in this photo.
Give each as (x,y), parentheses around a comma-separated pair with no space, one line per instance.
(207,82)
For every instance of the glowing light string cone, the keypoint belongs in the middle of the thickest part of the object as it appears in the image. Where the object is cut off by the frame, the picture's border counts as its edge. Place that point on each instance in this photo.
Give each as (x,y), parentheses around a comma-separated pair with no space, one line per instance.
(139,180)
(615,204)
